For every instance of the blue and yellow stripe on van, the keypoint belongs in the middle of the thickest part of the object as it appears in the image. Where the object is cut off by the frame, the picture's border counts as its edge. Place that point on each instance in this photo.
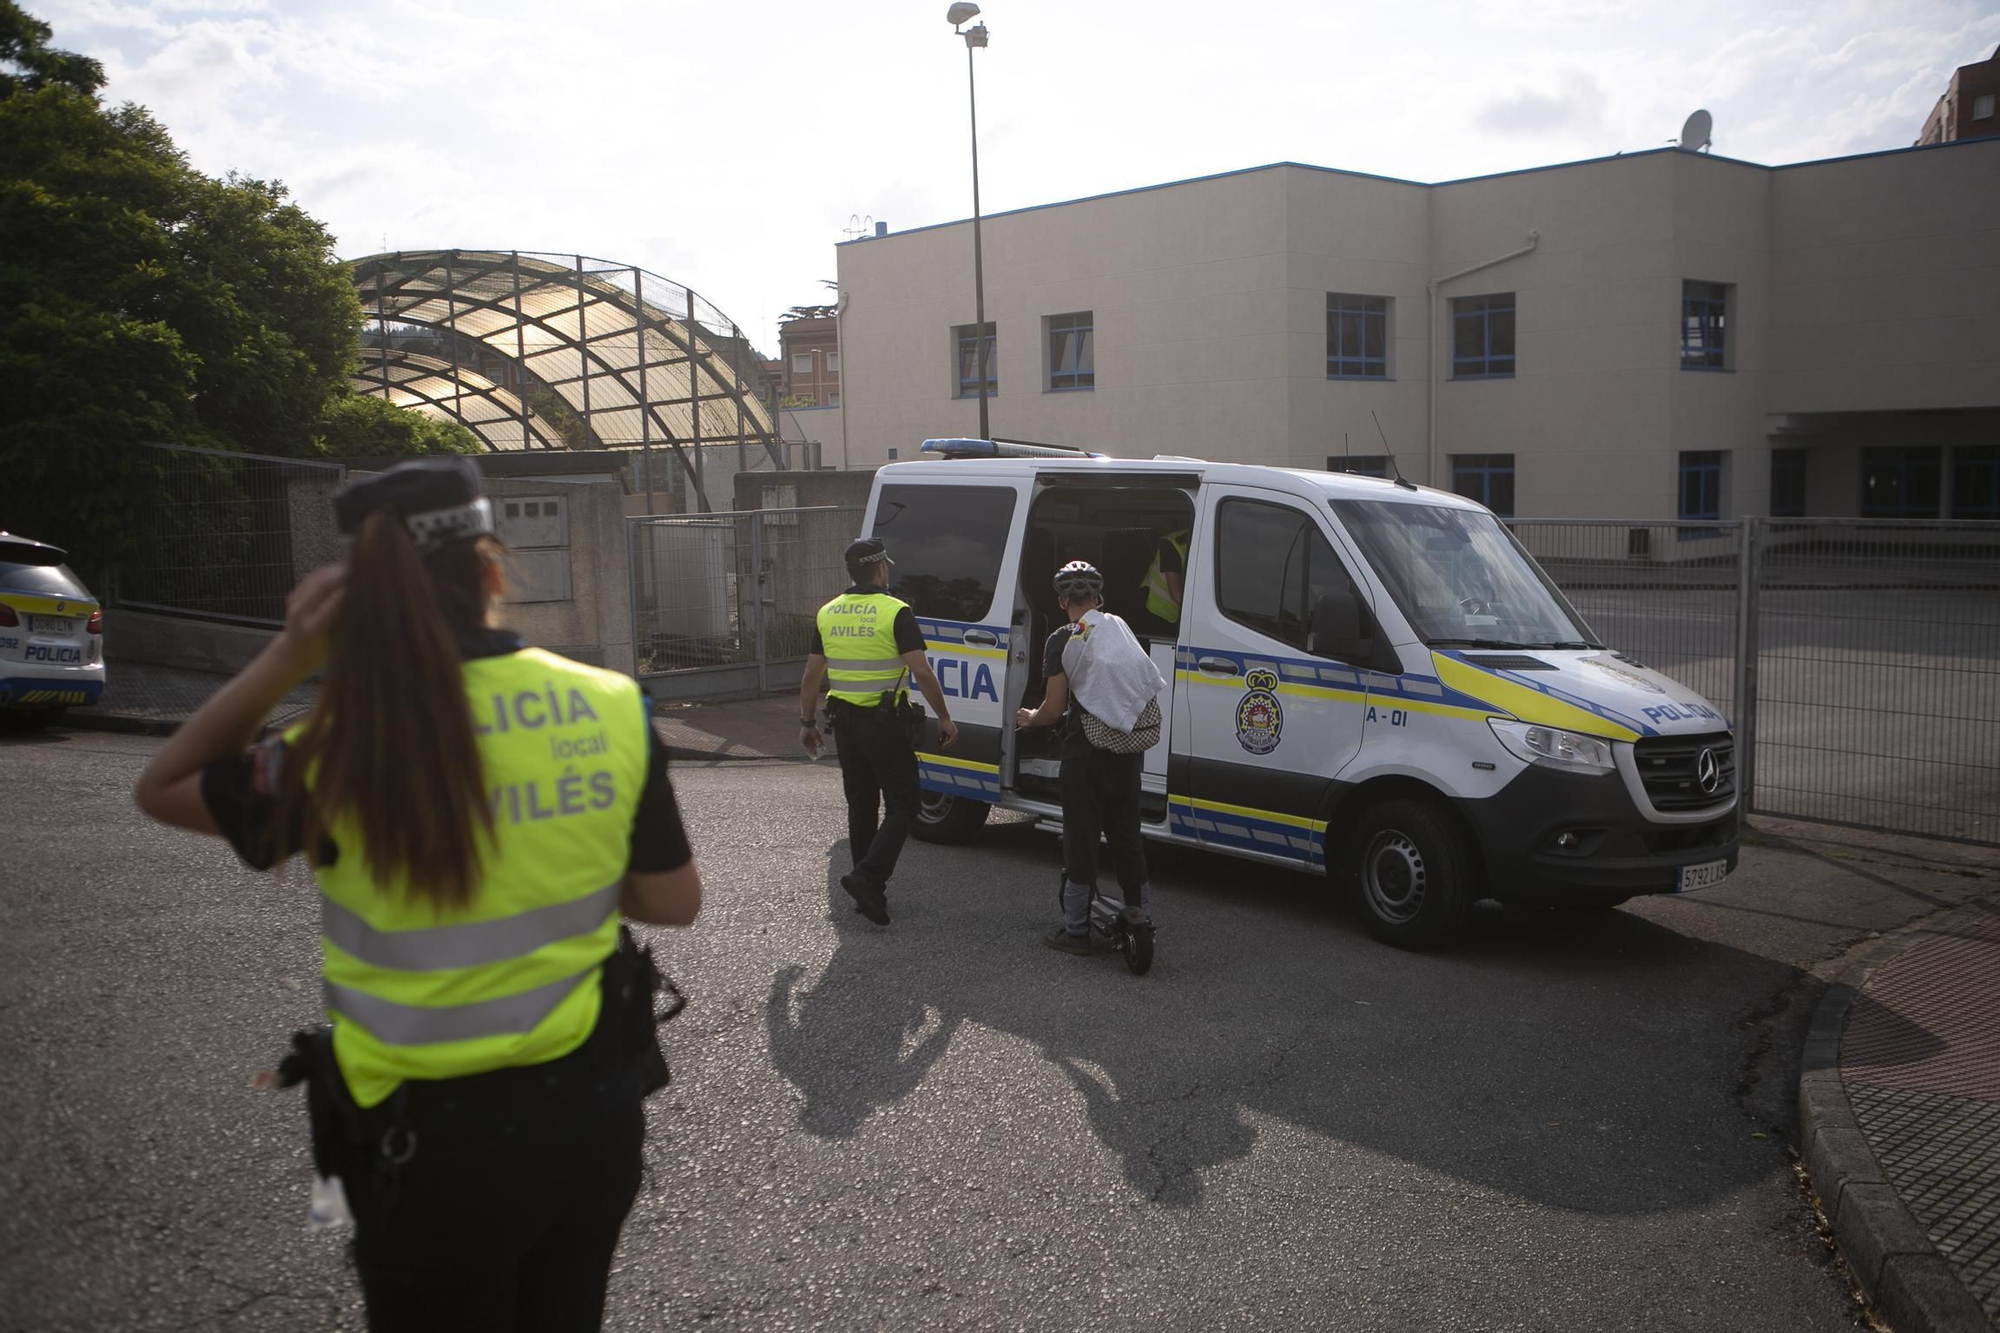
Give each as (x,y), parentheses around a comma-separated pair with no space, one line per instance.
(951,776)
(1519,695)
(1316,678)
(949,636)
(1267,831)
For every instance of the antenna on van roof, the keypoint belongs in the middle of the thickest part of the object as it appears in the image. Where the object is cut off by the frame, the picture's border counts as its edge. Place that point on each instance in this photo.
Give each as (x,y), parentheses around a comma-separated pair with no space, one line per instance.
(1400,480)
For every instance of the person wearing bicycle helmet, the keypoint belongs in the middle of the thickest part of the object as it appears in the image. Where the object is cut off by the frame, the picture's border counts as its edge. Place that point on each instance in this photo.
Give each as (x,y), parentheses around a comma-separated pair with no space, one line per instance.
(1100,788)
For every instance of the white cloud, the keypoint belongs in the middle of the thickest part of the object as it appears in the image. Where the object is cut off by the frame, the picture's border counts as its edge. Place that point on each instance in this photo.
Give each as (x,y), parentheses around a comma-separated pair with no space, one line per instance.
(727,146)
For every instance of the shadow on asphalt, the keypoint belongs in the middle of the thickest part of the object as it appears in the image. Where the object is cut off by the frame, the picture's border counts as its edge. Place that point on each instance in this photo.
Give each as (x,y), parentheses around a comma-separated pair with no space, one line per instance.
(1577,1059)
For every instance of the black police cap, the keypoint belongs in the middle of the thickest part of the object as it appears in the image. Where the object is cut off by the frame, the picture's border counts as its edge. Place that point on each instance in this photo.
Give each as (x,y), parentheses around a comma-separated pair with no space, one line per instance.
(438,500)
(868,551)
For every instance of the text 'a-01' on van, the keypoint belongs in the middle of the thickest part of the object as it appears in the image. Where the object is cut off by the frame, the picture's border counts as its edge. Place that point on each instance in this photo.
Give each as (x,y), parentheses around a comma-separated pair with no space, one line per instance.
(1368,679)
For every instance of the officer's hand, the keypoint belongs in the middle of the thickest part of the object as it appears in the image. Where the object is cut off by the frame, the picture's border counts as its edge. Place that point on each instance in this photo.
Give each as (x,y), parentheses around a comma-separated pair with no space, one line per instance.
(809,740)
(947,732)
(1024,718)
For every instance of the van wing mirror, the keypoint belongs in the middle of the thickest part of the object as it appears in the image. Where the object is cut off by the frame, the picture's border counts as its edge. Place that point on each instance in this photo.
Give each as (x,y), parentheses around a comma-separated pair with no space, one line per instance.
(1335,631)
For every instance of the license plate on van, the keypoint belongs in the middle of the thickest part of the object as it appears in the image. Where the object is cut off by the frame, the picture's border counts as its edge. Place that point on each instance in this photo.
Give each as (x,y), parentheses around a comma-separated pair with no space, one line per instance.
(51,625)
(1702,876)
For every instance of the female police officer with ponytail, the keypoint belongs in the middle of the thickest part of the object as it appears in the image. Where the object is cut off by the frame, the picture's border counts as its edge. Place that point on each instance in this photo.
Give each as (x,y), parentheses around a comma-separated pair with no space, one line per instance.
(477,815)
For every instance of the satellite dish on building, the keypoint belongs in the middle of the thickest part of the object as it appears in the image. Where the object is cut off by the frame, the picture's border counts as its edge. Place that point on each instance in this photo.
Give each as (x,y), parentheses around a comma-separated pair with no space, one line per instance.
(1694,134)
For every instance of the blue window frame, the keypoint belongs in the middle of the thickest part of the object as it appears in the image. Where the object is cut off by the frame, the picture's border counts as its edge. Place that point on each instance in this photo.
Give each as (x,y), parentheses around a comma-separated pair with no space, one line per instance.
(1357,337)
(1788,483)
(1701,483)
(968,361)
(1361,465)
(1482,337)
(1975,482)
(1487,478)
(1072,352)
(1904,481)
(1704,326)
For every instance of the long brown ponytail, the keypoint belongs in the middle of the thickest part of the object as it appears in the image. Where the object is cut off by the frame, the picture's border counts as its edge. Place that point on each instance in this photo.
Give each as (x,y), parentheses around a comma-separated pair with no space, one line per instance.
(391,732)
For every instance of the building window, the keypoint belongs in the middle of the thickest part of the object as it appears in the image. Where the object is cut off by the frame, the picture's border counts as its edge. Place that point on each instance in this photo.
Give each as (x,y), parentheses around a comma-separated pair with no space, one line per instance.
(802,363)
(966,338)
(833,363)
(833,400)
(1357,337)
(1072,352)
(1975,481)
(1982,107)
(1487,478)
(1361,465)
(1901,482)
(1482,337)
(1701,483)
(1704,325)
(892,453)
(1788,483)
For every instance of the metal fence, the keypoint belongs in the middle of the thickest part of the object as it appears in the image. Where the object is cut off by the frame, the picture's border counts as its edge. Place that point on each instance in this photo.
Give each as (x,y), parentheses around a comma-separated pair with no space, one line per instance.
(221,537)
(724,603)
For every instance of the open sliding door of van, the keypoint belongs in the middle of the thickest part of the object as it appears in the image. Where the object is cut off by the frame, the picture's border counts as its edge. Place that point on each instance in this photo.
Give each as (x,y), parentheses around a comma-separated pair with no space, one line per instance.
(956,552)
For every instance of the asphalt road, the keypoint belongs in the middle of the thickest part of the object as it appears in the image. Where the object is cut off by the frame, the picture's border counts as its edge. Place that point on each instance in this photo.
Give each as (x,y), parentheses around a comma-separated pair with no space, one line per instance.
(1568,1121)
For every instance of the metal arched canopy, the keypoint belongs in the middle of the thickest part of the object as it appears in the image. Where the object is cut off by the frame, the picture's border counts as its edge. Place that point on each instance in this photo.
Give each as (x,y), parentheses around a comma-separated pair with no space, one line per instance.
(643,360)
(434,387)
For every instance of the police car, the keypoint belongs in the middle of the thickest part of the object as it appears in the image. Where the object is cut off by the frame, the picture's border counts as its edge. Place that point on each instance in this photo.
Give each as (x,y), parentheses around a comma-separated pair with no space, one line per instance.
(1369,679)
(51,636)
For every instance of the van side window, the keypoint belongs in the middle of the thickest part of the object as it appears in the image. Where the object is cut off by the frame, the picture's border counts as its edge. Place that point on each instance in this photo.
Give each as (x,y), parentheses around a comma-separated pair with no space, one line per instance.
(1272,565)
(947,542)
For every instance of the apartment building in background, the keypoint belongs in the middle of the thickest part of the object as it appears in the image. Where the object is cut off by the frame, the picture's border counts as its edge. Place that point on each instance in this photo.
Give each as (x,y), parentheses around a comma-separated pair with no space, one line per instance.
(809,350)
(1654,335)
(1968,108)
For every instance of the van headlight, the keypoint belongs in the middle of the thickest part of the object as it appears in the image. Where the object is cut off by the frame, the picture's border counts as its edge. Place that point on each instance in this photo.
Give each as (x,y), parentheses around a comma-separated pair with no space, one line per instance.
(1534,744)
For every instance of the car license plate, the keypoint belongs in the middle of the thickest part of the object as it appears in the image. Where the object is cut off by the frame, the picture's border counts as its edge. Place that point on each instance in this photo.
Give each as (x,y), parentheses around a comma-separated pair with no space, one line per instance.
(1702,876)
(51,625)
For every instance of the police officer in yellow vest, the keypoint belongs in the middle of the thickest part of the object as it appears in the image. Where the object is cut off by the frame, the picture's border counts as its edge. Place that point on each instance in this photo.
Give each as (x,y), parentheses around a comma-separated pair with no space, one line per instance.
(1166,580)
(478,815)
(867,648)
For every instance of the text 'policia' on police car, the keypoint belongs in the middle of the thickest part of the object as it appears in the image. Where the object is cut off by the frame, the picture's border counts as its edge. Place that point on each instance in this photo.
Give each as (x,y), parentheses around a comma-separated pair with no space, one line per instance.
(1367,679)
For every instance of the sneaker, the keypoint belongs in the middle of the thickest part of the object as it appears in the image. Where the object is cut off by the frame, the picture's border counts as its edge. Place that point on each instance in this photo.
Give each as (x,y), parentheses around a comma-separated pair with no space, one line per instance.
(869,900)
(1062,941)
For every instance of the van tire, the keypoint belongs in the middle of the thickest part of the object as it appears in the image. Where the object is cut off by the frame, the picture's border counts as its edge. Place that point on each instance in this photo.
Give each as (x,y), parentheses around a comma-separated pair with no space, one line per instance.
(1414,869)
(948,819)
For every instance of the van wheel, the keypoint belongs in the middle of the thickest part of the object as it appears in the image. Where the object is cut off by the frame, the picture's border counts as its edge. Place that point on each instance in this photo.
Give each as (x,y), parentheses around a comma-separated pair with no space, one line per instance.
(1415,870)
(948,819)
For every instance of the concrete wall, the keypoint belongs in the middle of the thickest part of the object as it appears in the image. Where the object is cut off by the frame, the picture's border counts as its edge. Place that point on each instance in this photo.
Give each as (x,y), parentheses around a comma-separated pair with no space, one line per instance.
(157,639)
(593,624)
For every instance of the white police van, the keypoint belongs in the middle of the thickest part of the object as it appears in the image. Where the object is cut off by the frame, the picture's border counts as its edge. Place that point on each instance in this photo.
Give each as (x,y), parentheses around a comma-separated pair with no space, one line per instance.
(1369,679)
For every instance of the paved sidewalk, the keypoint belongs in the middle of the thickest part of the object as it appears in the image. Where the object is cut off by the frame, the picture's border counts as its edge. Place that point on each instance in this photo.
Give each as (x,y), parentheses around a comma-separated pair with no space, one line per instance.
(765,728)
(1899,1108)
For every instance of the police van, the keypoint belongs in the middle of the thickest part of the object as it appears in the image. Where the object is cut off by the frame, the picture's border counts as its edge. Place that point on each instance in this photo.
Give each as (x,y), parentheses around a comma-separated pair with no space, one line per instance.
(51,636)
(1369,680)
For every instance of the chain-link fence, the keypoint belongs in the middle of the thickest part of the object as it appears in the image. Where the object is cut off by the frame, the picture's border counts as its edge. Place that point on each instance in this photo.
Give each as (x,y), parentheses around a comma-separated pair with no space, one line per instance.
(225,541)
(724,603)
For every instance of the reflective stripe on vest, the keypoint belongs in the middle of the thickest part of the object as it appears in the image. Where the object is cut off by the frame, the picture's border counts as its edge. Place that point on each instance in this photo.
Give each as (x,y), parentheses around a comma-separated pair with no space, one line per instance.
(858,633)
(512,978)
(1159,598)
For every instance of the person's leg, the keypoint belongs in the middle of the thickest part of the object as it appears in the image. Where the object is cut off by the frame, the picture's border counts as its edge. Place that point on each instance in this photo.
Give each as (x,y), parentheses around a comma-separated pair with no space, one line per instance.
(857,782)
(1120,775)
(894,764)
(1083,823)
(561,1280)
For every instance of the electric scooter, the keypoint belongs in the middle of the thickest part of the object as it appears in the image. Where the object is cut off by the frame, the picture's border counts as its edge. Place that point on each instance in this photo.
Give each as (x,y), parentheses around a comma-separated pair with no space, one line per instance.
(1127,932)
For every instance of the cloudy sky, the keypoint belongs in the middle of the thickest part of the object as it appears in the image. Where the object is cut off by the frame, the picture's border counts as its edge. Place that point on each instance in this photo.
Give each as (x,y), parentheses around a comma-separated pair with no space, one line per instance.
(727,144)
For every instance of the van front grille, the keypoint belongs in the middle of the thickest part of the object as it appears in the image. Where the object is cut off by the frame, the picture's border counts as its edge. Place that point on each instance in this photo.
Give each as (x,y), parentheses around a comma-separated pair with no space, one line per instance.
(1675,776)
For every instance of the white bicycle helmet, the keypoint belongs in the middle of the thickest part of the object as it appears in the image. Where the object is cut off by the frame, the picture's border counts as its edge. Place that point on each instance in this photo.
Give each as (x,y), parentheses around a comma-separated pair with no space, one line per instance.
(1079,578)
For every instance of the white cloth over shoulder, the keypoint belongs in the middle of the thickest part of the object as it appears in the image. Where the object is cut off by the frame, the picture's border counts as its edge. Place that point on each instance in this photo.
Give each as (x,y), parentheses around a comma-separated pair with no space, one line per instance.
(1109,673)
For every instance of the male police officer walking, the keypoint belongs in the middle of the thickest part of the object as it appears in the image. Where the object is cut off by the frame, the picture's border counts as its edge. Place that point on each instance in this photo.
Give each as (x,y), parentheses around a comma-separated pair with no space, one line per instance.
(867,646)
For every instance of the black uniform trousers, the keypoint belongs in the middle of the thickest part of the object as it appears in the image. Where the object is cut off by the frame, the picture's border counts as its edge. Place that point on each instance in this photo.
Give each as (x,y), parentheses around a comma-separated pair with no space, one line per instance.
(505,1217)
(1100,797)
(878,772)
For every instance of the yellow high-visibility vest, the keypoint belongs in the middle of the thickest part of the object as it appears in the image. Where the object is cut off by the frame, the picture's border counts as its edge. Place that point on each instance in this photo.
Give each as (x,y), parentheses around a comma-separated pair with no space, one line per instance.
(512,978)
(1159,599)
(858,631)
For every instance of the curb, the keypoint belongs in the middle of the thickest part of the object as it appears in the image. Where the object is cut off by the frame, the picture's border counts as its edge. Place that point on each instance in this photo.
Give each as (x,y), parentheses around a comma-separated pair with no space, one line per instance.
(124,723)
(1889,1253)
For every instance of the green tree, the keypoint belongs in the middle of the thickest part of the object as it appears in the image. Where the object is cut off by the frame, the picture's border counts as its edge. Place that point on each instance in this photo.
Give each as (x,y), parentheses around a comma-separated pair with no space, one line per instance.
(142,301)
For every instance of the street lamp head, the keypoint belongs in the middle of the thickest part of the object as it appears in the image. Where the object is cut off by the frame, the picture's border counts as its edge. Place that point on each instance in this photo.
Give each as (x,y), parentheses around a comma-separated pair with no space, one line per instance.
(961,13)
(975,35)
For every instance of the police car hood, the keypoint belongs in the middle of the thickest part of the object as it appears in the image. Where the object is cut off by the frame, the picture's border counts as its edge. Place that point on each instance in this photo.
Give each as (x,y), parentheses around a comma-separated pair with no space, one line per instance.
(1597,692)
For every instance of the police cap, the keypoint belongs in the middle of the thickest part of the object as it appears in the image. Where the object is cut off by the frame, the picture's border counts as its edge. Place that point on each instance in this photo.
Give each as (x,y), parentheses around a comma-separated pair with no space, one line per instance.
(438,500)
(867,551)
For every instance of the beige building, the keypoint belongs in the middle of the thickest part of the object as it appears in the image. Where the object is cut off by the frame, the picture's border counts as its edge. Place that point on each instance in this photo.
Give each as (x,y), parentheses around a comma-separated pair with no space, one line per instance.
(1656,335)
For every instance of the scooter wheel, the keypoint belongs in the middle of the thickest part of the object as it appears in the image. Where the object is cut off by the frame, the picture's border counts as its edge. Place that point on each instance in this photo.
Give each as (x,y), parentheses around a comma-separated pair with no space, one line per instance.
(1137,946)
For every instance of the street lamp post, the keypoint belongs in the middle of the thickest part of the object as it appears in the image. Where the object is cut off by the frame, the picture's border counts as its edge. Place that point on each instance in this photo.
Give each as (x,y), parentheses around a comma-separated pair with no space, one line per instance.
(958,16)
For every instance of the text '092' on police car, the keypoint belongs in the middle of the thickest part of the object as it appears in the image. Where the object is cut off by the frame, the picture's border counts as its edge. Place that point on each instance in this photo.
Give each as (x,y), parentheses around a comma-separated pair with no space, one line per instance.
(1367,679)
(51,636)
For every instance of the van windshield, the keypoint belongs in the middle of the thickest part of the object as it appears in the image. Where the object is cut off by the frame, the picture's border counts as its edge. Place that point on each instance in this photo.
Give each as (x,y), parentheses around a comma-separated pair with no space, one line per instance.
(1461,578)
